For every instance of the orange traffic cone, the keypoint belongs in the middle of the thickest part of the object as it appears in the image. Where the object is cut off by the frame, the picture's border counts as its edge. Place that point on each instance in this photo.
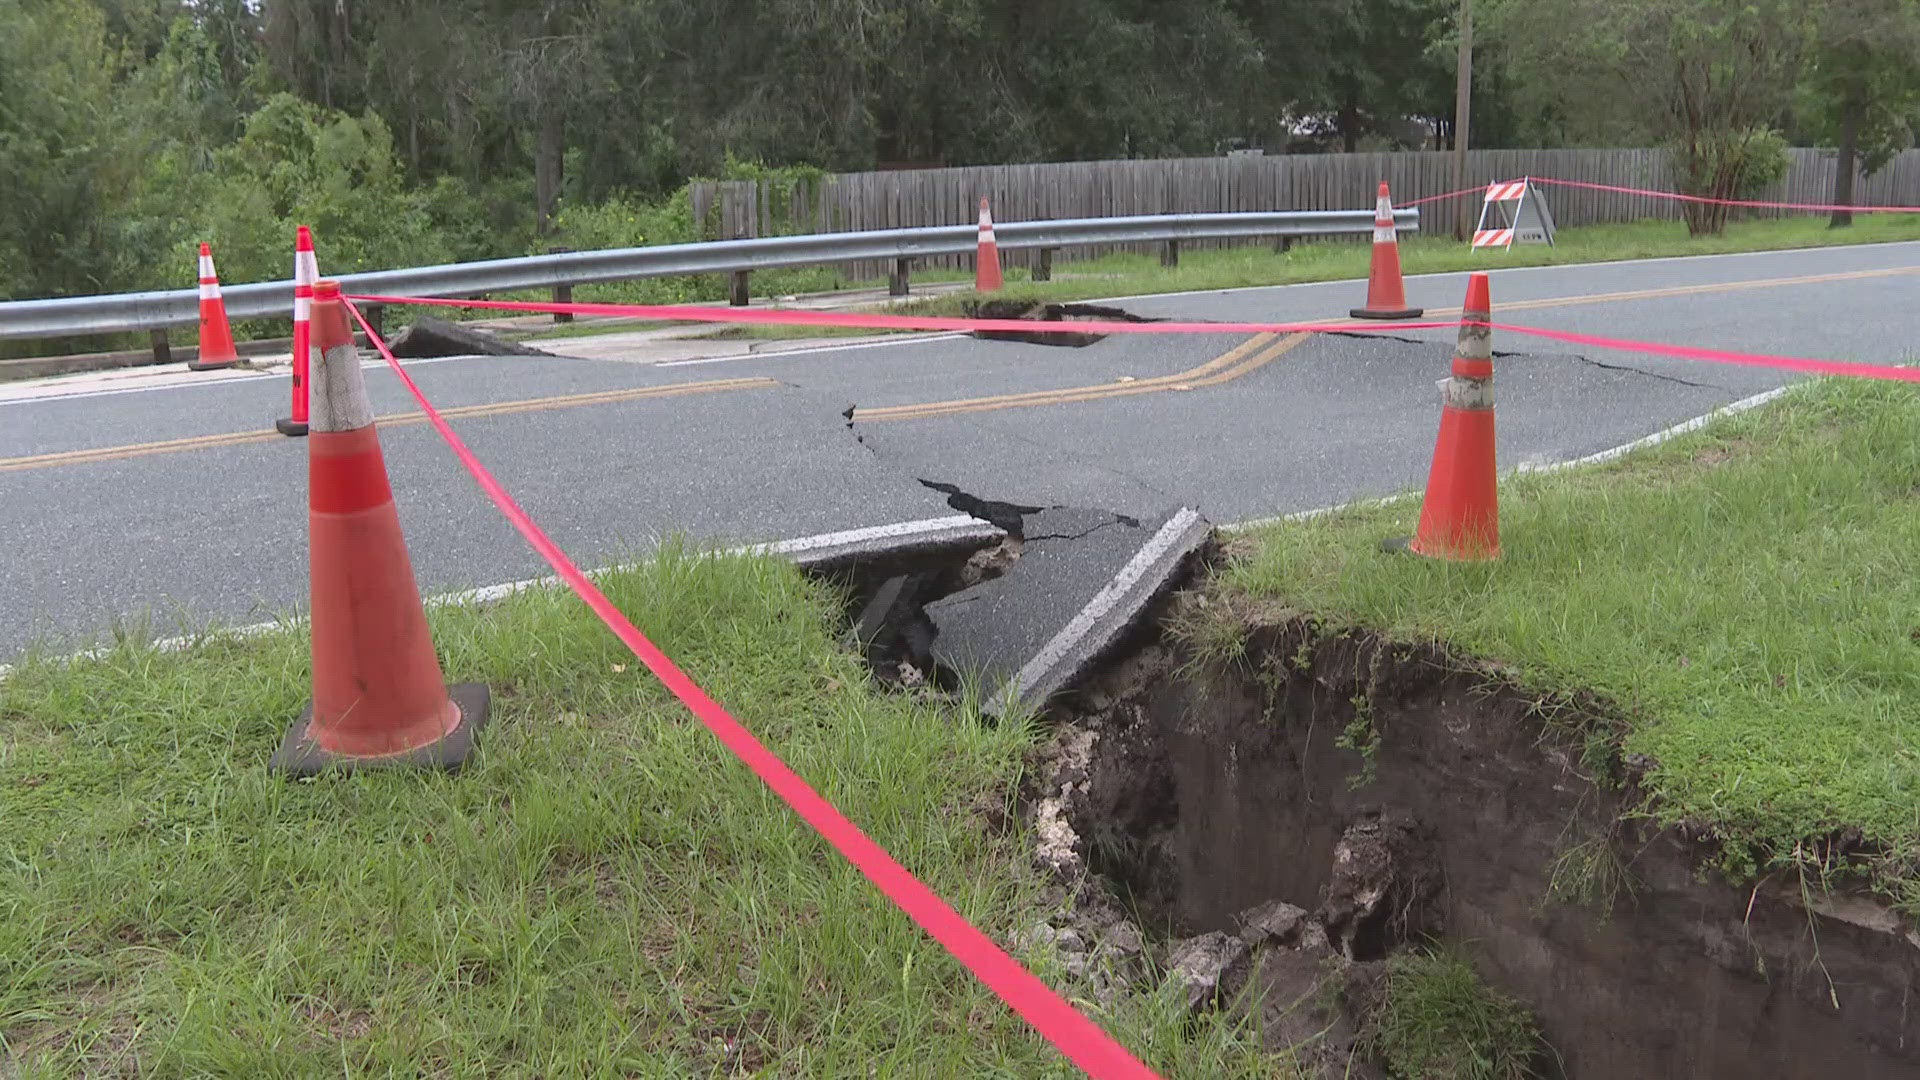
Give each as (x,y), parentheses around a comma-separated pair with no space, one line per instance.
(216,337)
(1386,293)
(1460,515)
(305,272)
(986,269)
(378,695)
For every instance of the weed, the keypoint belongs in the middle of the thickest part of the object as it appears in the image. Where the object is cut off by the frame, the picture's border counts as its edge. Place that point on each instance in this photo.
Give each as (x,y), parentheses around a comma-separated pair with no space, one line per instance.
(1438,1021)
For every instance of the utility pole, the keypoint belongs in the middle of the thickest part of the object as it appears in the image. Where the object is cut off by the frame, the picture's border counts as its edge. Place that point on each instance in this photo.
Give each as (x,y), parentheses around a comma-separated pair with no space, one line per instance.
(1462,108)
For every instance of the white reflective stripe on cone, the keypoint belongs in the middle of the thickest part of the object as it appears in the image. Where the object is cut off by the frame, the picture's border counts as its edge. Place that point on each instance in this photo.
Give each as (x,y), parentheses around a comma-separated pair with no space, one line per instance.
(209,290)
(206,266)
(339,393)
(1383,236)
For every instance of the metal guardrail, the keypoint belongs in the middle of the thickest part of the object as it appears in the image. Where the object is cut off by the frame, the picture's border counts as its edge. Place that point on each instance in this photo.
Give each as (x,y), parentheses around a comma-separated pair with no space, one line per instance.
(80,316)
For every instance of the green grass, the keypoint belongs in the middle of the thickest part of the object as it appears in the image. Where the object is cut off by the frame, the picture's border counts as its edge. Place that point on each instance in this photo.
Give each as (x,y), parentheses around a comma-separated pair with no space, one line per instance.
(1748,597)
(605,891)
(1438,1021)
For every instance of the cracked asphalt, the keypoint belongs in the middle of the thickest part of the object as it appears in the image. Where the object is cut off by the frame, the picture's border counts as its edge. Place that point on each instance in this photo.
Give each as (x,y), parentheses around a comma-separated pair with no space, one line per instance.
(121,532)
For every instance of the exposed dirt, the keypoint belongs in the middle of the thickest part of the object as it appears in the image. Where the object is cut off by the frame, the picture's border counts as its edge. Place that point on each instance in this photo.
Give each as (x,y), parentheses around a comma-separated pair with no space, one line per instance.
(1215,787)
(1034,311)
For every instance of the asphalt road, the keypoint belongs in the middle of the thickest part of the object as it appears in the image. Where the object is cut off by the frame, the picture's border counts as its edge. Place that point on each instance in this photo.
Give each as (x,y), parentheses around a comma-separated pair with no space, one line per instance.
(100,526)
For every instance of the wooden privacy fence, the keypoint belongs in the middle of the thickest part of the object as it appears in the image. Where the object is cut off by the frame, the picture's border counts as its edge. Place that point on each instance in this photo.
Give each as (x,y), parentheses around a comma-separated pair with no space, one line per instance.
(901,199)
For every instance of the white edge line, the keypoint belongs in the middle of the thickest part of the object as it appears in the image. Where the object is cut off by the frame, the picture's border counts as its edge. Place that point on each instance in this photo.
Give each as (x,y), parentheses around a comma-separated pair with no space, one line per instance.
(278,372)
(774,354)
(1745,404)
(488,594)
(491,593)
(1493,268)
(1096,609)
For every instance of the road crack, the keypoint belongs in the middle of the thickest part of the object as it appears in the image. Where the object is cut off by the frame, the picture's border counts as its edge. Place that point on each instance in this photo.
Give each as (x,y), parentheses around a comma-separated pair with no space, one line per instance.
(1615,367)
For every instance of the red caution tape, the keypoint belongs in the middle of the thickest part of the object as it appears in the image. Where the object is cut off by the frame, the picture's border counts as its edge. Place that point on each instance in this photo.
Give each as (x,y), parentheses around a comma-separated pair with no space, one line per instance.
(1474,190)
(869,321)
(787,317)
(1721,356)
(1757,204)
(1079,1038)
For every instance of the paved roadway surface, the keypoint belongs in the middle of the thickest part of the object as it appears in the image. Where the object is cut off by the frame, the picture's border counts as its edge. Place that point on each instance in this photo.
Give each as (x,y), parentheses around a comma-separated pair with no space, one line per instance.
(167,499)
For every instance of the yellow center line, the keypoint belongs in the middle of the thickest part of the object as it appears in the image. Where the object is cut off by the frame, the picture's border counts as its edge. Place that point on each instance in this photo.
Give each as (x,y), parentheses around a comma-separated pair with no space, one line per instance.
(503,408)
(1221,369)
(1250,355)
(1682,290)
(1047,397)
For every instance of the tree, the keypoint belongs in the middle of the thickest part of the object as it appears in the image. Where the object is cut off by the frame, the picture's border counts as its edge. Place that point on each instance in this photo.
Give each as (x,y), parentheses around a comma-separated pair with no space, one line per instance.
(56,98)
(1709,78)
(1864,86)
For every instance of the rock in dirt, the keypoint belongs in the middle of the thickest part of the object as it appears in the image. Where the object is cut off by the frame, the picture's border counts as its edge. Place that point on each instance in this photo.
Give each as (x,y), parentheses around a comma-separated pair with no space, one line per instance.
(1213,967)
(1274,922)
(436,337)
(892,630)
(1385,887)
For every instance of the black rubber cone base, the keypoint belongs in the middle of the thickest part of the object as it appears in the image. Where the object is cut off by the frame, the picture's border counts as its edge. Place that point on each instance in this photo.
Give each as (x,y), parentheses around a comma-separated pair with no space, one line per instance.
(1387,313)
(290,427)
(1398,545)
(298,756)
(216,365)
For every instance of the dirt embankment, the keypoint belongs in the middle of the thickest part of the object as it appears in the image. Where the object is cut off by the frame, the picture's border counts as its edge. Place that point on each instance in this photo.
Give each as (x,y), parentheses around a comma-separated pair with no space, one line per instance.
(1212,788)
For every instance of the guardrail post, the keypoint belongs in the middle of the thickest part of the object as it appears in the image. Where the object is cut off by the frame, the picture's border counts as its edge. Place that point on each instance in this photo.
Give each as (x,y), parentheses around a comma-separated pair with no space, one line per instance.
(162,349)
(376,315)
(738,295)
(1043,270)
(562,294)
(897,284)
(1170,257)
(1283,245)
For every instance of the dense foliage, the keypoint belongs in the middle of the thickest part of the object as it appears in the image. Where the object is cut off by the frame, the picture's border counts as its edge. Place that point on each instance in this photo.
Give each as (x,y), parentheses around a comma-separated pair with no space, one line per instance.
(408,131)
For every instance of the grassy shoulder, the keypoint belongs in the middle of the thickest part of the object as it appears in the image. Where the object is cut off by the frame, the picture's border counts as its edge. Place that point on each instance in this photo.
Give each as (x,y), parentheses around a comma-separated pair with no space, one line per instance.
(604,892)
(1748,597)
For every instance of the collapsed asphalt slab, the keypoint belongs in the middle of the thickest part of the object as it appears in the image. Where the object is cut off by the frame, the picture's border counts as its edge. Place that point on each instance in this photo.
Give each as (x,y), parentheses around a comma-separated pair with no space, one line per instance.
(1084,578)
(429,337)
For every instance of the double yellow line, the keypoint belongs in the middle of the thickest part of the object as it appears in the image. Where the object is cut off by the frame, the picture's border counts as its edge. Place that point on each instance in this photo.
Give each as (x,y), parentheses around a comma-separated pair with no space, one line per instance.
(1250,355)
(503,408)
(1500,307)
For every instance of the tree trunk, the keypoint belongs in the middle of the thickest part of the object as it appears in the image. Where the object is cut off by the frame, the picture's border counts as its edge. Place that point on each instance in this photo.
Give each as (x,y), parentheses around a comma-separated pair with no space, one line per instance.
(548,161)
(1843,168)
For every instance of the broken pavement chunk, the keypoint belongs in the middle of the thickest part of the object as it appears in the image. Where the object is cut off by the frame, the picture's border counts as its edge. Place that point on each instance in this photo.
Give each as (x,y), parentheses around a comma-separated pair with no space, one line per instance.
(1084,579)
(1035,311)
(881,547)
(437,337)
